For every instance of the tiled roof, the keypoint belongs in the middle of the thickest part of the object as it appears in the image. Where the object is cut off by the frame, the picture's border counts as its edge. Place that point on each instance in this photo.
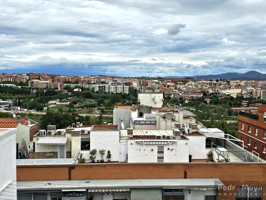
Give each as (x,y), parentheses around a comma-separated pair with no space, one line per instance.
(11,122)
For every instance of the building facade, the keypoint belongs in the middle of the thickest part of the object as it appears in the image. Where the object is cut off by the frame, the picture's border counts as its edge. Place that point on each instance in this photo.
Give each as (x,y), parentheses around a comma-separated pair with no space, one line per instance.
(252,131)
(8,175)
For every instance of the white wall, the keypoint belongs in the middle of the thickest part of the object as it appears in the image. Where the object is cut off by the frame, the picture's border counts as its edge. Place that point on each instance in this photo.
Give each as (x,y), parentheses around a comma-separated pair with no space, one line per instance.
(182,150)
(8,174)
(23,132)
(137,154)
(147,99)
(108,140)
(122,113)
(197,147)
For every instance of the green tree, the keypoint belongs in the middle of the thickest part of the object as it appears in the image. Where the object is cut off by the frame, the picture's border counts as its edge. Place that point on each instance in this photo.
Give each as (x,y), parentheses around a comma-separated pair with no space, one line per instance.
(100,101)
(115,98)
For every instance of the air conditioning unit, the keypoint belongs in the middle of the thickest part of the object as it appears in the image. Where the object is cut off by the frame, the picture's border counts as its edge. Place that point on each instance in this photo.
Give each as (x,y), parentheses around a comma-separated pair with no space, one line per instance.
(42,133)
(73,125)
(84,131)
(168,137)
(59,133)
(158,137)
(50,132)
(177,125)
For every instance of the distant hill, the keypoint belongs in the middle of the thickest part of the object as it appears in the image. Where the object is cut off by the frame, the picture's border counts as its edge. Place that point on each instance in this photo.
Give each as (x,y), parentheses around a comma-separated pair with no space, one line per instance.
(251,75)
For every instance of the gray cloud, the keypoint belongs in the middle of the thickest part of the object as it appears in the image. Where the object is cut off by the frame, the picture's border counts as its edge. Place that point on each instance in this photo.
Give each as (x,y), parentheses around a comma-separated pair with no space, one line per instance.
(175,29)
(126,37)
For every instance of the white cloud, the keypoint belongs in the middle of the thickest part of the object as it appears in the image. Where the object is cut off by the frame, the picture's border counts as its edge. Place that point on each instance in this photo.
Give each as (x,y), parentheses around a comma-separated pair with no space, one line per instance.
(124,37)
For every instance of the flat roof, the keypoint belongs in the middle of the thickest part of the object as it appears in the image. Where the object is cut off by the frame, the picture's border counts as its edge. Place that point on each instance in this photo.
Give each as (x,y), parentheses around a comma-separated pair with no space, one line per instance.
(52,141)
(119,183)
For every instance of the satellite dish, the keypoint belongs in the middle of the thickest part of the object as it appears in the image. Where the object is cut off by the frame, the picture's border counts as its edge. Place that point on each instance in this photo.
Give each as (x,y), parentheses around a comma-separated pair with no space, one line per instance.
(14,115)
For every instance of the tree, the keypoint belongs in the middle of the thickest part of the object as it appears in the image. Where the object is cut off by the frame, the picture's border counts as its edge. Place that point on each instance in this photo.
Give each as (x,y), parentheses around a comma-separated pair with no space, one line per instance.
(87,94)
(100,118)
(100,101)
(115,98)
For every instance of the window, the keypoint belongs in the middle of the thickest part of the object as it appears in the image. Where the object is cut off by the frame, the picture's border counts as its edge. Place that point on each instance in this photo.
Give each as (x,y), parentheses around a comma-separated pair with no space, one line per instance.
(249,193)
(242,138)
(249,142)
(85,144)
(249,129)
(264,150)
(210,197)
(160,154)
(256,131)
(264,135)
(255,145)
(242,126)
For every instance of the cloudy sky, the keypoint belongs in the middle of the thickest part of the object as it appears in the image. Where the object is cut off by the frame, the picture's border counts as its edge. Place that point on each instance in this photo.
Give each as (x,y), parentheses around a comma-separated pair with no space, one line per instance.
(133,37)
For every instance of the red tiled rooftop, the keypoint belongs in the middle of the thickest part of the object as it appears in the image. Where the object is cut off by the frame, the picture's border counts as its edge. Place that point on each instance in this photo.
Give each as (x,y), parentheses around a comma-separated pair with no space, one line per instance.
(195,134)
(11,122)
(123,107)
(105,128)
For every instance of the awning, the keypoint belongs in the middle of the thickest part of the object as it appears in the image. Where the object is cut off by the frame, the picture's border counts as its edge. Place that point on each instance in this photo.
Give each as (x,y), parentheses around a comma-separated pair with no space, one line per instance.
(121,184)
(156,142)
(52,141)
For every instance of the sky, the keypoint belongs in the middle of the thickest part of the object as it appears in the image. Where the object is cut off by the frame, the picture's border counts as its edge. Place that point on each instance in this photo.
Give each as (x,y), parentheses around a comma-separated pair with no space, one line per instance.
(133,37)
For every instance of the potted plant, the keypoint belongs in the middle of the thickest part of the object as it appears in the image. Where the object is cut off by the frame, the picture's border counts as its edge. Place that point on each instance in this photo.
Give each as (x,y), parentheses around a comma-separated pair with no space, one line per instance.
(102,152)
(108,156)
(210,155)
(93,153)
(98,161)
(81,159)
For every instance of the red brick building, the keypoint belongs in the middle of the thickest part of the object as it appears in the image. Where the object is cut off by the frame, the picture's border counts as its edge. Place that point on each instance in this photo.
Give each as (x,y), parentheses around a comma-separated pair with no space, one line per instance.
(252,131)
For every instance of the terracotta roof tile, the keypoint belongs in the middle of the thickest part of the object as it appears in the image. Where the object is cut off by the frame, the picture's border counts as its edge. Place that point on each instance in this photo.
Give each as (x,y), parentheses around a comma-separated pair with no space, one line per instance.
(11,122)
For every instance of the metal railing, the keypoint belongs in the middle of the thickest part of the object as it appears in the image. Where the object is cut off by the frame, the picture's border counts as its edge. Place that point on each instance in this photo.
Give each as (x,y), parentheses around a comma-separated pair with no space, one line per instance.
(57,161)
(249,115)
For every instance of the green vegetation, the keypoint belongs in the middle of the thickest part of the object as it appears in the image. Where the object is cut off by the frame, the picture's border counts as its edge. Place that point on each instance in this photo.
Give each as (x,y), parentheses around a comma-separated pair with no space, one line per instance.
(81,159)
(4,115)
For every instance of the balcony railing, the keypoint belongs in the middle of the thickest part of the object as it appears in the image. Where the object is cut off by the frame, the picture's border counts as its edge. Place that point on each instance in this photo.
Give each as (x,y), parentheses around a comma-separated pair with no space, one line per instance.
(57,161)
(249,115)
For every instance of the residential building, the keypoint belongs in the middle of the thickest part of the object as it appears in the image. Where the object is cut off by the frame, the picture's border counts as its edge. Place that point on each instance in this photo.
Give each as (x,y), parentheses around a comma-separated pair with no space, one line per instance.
(8,175)
(26,129)
(40,84)
(252,131)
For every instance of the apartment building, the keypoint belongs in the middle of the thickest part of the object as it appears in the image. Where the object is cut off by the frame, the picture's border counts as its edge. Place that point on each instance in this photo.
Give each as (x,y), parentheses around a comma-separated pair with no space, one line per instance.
(110,88)
(146,164)
(26,129)
(40,84)
(8,175)
(252,131)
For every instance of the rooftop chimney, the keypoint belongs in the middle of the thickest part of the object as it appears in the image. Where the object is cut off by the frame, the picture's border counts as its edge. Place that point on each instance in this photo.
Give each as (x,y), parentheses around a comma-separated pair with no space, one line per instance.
(18,118)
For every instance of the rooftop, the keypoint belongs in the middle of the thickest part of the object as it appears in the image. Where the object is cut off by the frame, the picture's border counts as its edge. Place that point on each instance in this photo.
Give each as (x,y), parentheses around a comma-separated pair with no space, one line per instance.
(123,107)
(105,128)
(148,132)
(251,116)
(11,122)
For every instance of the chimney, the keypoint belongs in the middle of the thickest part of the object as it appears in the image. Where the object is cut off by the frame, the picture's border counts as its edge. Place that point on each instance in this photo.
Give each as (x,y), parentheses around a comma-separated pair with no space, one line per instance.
(129,131)
(18,118)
